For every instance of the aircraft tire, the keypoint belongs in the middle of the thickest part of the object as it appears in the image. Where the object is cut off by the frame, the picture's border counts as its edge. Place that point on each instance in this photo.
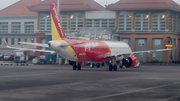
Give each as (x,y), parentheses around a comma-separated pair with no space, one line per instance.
(115,67)
(102,64)
(74,67)
(79,67)
(98,65)
(110,67)
(121,66)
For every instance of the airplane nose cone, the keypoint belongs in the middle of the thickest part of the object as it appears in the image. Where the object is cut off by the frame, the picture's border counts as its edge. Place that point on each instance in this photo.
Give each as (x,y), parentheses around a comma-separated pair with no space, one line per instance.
(49,44)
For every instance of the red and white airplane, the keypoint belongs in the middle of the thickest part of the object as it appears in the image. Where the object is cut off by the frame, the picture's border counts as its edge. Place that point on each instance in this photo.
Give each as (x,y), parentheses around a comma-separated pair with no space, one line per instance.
(79,51)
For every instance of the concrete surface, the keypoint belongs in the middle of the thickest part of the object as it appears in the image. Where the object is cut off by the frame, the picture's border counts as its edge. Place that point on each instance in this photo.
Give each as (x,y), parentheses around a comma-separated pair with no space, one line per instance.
(61,83)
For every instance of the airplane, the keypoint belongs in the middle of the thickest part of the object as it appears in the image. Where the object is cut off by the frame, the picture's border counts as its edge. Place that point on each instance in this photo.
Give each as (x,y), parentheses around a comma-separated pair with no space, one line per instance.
(80,51)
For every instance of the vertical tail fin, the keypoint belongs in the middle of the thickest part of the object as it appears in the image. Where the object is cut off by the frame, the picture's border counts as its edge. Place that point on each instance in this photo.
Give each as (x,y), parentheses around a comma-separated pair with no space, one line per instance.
(5,41)
(56,26)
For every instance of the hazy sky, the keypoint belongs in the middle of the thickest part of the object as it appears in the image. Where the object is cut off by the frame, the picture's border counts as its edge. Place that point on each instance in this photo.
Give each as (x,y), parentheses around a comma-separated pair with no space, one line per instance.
(5,3)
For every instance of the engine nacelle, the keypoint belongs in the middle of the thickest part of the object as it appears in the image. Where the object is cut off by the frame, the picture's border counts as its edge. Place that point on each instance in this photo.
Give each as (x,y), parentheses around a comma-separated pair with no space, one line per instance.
(131,61)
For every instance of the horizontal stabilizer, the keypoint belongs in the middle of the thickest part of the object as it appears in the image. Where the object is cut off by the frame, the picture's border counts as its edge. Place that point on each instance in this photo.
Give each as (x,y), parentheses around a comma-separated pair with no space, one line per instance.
(34,44)
(65,45)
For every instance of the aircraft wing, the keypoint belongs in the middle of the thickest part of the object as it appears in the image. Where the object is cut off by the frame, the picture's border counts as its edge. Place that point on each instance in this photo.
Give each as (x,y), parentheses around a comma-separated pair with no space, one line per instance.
(137,52)
(34,44)
(27,49)
(45,45)
(169,47)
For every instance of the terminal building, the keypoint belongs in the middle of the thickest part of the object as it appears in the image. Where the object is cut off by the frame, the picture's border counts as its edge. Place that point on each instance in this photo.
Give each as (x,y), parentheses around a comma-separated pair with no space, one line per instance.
(144,25)
(18,23)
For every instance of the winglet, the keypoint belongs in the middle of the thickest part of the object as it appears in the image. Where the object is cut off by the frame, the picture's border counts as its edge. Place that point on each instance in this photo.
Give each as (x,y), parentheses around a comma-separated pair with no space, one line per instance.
(5,41)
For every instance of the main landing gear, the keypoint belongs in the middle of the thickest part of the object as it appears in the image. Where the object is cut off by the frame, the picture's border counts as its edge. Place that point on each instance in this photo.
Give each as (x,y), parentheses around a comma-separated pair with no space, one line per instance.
(112,67)
(78,66)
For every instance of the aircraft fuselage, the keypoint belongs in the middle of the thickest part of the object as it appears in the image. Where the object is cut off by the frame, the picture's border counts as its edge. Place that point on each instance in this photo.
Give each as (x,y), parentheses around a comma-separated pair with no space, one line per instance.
(90,50)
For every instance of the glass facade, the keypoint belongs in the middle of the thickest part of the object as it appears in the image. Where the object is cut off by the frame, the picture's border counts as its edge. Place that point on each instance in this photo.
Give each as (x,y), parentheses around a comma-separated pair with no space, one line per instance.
(169,20)
(64,21)
(178,23)
(19,40)
(12,41)
(29,27)
(45,22)
(174,17)
(16,27)
(107,23)
(141,22)
(125,22)
(3,27)
(158,22)
(76,21)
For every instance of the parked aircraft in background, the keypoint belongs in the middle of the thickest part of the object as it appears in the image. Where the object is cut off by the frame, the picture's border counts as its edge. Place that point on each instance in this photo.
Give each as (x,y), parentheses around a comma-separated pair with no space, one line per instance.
(79,51)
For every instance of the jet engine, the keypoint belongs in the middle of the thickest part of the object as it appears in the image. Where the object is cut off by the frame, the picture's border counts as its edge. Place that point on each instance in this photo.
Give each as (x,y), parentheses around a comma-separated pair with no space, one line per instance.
(131,61)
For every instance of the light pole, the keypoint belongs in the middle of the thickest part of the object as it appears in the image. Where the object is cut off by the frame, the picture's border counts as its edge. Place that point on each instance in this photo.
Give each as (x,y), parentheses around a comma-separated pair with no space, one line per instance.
(58,8)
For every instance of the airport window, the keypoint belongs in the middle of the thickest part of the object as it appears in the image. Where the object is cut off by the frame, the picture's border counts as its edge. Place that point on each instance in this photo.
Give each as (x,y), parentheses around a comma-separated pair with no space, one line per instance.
(64,21)
(96,22)
(174,17)
(76,22)
(169,20)
(19,40)
(6,40)
(45,22)
(43,41)
(158,22)
(16,27)
(125,22)
(126,41)
(12,41)
(89,22)
(25,39)
(111,23)
(3,27)
(29,27)
(42,22)
(157,42)
(107,23)
(141,42)
(141,22)
(32,40)
(178,23)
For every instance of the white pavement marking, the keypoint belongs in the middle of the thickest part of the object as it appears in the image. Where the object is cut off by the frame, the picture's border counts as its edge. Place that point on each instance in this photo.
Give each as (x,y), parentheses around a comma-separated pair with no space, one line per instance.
(118,94)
